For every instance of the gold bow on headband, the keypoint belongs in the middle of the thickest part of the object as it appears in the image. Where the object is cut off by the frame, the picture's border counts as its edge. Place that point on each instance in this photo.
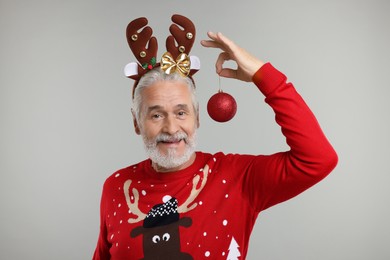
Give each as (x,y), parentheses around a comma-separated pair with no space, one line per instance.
(181,65)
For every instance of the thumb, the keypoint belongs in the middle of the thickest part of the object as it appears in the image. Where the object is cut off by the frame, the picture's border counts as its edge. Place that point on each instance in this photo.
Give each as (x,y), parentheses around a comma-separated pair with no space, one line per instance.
(228,73)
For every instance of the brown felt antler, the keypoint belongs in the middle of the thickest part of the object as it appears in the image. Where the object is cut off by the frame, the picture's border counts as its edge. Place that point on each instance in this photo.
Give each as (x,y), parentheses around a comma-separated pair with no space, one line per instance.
(144,47)
(185,38)
(142,44)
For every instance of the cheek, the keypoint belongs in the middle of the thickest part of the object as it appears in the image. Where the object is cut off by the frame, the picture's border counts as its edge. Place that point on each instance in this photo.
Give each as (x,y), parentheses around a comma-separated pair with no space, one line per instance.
(190,128)
(150,130)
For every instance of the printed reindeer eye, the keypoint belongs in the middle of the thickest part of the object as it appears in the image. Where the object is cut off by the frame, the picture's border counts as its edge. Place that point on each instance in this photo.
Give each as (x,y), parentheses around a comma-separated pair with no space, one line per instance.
(166,237)
(156,239)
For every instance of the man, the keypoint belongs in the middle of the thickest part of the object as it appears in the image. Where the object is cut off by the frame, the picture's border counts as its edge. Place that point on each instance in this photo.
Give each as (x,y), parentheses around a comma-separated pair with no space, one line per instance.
(183,204)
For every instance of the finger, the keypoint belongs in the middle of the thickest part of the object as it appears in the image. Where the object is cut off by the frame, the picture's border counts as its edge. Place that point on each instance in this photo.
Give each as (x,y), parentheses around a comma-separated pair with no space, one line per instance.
(216,37)
(228,73)
(212,41)
(212,35)
(211,44)
(208,43)
(228,44)
(222,57)
(215,41)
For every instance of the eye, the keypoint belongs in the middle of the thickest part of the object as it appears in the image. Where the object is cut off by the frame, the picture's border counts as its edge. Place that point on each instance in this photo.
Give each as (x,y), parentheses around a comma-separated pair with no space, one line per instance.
(156,239)
(181,114)
(156,116)
(166,237)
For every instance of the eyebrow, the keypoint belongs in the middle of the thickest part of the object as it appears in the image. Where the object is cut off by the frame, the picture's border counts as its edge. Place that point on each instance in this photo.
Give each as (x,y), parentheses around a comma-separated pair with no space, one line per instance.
(158,107)
(182,106)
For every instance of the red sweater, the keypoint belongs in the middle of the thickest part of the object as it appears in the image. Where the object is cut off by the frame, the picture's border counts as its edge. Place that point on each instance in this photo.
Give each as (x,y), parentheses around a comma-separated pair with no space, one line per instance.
(207,211)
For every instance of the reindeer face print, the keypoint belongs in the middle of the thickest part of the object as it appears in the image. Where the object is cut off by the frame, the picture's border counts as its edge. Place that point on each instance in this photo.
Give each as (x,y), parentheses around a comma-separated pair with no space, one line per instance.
(160,229)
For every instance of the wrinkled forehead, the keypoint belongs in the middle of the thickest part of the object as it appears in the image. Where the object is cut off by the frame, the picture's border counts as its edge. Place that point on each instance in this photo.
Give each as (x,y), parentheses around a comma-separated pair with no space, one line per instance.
(166,94)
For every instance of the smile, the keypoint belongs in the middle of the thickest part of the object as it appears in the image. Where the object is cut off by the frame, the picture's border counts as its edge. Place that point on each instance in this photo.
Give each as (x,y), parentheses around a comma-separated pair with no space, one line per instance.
(171,142)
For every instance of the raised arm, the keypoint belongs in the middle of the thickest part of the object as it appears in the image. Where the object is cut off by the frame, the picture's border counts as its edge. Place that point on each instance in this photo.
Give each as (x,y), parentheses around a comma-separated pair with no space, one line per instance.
(272,179)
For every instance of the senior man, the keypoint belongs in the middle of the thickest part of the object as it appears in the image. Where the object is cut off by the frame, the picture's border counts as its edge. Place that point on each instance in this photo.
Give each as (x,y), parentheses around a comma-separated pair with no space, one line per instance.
(181,203)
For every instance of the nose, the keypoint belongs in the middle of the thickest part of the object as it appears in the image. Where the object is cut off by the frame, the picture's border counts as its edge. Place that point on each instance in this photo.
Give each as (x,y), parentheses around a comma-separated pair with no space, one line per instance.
(171,125)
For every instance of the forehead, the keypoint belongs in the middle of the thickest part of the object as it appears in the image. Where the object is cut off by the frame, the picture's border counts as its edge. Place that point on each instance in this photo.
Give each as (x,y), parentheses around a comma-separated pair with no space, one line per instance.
(166,94)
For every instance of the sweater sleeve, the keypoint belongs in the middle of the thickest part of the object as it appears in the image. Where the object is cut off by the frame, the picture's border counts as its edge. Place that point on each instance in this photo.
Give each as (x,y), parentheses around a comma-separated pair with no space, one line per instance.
(275,178)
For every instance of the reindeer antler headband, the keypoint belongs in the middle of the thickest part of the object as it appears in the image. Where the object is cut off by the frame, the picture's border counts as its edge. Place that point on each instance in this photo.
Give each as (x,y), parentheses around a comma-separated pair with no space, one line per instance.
(144,48)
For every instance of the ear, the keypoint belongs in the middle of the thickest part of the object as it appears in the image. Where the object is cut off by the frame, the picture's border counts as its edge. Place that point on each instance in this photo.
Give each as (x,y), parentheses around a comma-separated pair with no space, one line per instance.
(137,231)
(185,222)
(197,118)
(136,126)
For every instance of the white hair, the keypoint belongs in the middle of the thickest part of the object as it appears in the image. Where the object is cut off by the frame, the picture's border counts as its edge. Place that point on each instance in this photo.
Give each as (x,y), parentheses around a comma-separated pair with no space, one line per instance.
(156,75)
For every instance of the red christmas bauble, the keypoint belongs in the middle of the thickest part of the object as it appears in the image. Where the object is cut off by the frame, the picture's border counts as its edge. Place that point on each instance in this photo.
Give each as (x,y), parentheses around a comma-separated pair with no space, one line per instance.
(222,107)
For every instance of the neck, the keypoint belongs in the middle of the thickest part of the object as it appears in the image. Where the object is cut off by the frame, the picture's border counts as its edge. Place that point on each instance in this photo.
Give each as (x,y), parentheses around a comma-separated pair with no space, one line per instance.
(161,169)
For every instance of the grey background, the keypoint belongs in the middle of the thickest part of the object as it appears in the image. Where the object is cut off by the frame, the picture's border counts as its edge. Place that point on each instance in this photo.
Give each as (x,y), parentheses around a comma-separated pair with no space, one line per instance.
(66,123)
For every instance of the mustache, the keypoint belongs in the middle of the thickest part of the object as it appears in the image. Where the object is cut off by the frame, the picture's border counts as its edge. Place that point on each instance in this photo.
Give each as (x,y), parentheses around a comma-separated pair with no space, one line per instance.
(171,138)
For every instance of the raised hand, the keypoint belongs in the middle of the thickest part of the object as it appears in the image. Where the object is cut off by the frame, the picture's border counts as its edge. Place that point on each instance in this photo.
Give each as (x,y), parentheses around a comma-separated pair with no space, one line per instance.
(247,65)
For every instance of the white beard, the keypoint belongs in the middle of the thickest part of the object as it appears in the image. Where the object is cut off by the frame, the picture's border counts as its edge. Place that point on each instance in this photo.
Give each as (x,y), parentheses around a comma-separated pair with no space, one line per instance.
(171,159)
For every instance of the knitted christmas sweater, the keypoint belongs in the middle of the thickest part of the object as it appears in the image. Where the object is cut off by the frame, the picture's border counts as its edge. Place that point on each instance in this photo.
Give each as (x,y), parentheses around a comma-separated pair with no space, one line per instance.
(208,210)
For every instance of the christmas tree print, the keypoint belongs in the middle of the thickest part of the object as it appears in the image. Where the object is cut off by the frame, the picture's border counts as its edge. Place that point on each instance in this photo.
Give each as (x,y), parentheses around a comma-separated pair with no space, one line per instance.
(234,253)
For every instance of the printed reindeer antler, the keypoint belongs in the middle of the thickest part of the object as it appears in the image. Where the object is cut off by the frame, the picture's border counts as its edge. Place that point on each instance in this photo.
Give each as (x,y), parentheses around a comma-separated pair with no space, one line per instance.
(194,191)
(132,197)
(133,206)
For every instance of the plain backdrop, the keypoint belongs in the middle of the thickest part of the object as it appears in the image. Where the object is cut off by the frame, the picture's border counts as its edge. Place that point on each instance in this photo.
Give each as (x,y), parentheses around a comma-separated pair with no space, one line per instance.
(65,121)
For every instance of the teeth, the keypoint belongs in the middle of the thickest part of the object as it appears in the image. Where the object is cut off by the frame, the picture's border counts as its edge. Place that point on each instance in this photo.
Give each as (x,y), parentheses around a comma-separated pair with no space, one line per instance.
(171,141)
